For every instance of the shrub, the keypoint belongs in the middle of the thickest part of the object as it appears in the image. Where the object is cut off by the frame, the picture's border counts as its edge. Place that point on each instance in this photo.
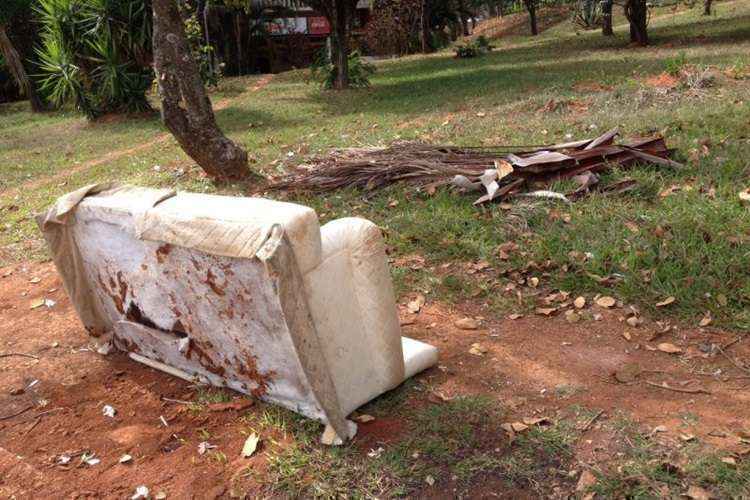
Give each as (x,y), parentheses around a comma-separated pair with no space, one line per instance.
(323,71)
(474,48)
(673,65)
(587,14)
(96,54)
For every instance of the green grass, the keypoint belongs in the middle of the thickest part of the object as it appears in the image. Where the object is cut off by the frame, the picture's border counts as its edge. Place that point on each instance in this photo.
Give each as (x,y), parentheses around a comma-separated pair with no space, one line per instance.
(693,244)
(647,469)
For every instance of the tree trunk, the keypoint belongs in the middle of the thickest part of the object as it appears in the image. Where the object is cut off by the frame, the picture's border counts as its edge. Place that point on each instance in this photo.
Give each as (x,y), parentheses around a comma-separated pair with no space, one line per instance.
(707,7)
(531,7)
(194,126)
(238,42)
(607,18)
(341,46)
(637,13)
(15,65)
(424,24)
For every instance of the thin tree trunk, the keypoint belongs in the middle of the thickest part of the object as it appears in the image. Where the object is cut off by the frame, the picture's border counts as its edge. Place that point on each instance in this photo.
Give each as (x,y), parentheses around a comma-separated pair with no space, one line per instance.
(531,7)
(194,126)
(637,13)
(424,22)
(341,46)
(607,18)
(14,63)
(238,41)
(707,7)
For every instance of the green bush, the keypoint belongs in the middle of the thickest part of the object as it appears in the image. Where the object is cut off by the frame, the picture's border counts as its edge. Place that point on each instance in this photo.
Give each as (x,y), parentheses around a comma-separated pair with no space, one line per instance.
(95,54)
(673,65)
(474,48)
(323,71)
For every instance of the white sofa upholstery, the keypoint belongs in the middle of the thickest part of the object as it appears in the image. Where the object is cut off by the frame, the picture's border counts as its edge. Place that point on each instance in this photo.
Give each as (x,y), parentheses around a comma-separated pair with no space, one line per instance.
(246,293)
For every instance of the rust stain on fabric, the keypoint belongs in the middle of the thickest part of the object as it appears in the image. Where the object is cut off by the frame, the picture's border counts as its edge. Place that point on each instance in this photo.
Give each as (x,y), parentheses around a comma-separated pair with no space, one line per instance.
(204,359)
(211,282)
(162,252)
(249,369)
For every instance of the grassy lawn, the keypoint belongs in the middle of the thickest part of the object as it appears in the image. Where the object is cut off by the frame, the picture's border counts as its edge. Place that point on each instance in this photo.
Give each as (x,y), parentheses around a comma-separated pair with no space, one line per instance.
(679,233)
(692,244)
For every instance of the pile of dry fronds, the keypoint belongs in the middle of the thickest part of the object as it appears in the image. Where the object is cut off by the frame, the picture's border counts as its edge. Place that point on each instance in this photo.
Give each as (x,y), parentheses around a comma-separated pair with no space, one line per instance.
(496,170)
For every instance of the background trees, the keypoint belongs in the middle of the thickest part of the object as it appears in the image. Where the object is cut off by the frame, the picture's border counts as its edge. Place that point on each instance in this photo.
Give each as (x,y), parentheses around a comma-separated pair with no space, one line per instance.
(10,11)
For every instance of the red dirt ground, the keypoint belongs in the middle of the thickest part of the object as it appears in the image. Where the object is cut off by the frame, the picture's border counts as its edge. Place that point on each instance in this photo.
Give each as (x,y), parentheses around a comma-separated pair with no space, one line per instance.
(534,365)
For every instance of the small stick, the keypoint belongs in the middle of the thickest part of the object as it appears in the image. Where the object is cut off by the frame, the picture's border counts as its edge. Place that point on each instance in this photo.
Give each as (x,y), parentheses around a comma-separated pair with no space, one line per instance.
(678,389)
(9,354)
(179,401)
(733,361)
(731,343)
(36,422)
(8,417)
(592,420)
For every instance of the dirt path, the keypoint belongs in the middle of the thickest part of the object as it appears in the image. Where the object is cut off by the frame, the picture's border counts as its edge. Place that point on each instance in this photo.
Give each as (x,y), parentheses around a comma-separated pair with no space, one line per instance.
(533,365)
(125,152)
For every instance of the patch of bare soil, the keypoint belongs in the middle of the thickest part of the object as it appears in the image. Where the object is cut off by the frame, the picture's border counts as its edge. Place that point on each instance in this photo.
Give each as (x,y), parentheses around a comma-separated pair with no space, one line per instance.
(518,24)
(534,365)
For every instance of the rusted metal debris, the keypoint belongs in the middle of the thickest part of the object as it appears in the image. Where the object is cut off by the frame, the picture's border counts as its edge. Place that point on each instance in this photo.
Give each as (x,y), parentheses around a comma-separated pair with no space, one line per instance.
(499,171)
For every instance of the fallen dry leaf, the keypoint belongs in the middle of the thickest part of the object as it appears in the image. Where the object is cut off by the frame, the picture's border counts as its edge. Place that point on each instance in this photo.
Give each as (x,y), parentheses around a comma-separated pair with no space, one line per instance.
(515,316)
(729,461)
(477,349)
(415,305)
(251,444)
(580,302)
(546,311)
(585,482)
(466,324)
(665,302)
(659,428)
(669,348)
(627,373)
(504,168)
(626,335)
(364,418)
(36,303)
(744,195)
(519,426)
(634,321)
(606,301)
(697,493)
(706,320)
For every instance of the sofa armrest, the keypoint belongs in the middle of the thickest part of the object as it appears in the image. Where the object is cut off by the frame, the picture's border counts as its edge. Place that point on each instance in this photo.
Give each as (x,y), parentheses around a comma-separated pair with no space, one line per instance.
(353,305)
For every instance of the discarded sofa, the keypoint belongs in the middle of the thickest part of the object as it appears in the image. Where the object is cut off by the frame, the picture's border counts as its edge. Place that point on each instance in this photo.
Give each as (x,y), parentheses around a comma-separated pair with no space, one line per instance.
(246,293)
